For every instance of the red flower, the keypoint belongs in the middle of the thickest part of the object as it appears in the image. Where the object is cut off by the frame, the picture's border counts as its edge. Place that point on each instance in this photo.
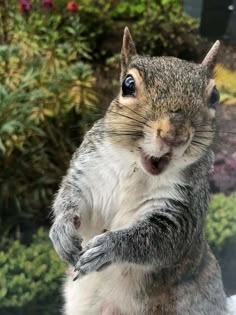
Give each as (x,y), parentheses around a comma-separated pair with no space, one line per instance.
(72,6)
(48,4)
(24,6)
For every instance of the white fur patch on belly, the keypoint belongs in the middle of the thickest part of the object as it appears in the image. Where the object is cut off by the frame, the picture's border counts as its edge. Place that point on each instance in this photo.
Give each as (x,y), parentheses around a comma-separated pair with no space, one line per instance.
(109,292)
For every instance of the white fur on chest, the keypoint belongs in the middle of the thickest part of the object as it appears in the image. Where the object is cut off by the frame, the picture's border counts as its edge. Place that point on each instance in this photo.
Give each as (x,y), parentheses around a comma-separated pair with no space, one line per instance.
(121,192)
(120,188)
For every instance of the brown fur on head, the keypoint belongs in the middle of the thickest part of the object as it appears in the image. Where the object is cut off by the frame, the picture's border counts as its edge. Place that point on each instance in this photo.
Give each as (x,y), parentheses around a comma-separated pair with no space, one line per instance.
(169,111)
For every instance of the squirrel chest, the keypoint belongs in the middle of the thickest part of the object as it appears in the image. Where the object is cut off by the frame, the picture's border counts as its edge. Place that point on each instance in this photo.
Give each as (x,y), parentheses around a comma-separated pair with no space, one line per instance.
(121,191)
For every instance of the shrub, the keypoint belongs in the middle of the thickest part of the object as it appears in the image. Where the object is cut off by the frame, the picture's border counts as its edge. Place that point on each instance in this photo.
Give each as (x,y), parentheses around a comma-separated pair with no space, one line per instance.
(45,92)
(226,82)
(221,221)
(159,27)
(30,277)
(221,234)
(165,29)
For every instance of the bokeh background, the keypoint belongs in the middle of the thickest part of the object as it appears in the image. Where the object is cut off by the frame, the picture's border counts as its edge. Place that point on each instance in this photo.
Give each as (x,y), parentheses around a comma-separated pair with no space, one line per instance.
(59,69)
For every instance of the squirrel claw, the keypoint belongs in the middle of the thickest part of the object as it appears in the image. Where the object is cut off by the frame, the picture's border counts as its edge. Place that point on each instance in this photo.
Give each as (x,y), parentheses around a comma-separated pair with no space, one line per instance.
(77,276)
(82,252)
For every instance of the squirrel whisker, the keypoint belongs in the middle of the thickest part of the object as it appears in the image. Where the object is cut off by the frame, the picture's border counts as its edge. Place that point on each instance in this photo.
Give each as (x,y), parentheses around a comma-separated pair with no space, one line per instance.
(197,148)
(141,122)
(218,131)
(136,114)
(201,145)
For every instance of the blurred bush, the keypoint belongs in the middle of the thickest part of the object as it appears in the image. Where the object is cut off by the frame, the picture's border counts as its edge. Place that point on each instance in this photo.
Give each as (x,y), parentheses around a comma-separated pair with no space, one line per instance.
(46,101)
(165,29)
(226,83)
(30,277)
(221,221)
(221,234)
(158,27)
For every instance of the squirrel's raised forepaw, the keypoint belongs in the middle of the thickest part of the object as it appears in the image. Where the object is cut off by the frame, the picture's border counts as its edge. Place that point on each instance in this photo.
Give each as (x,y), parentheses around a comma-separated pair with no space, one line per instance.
(97,255)
(65,237)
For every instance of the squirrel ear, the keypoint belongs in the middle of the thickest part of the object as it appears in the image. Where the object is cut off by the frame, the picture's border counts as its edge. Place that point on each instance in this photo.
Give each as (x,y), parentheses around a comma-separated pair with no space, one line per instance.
(127,51)
(210,60)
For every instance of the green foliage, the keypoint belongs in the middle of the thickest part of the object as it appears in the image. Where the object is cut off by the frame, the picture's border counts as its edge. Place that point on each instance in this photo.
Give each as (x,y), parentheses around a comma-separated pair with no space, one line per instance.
(221,221)
(158,27)
(59,34)
(6,23)
(30,276)
(45,90)
(226,83)
(125,10)
(165,29)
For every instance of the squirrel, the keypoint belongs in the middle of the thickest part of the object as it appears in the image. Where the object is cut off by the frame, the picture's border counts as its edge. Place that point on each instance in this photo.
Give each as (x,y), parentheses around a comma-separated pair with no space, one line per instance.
(129,214)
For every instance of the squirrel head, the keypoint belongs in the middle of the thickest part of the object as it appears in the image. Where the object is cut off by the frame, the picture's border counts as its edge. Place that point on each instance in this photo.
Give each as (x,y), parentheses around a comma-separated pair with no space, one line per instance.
(165,111)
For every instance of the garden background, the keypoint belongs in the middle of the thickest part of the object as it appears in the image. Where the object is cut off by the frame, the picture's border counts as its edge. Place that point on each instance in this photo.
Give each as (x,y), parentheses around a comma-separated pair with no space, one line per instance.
(59,69)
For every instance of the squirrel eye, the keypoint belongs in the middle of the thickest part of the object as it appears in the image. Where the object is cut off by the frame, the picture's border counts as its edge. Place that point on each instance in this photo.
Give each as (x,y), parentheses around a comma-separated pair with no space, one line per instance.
(128,86)
(214,98)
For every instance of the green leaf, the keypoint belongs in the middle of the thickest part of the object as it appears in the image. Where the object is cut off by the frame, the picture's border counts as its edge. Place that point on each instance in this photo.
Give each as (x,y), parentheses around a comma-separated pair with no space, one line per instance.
(2,147)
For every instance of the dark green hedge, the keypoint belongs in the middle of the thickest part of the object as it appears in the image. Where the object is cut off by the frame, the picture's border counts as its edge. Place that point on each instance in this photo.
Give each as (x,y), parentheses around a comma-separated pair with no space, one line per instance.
(221,222)
(30,277)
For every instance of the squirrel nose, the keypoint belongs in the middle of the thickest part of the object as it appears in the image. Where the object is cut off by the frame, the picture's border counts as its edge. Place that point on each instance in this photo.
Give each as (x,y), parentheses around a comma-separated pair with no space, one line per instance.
(173,139)
(173,130)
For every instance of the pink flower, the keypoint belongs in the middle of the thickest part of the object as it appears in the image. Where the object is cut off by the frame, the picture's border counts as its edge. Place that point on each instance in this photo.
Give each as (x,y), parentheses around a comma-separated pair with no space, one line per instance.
(48,4)
(24,6)
(72,6)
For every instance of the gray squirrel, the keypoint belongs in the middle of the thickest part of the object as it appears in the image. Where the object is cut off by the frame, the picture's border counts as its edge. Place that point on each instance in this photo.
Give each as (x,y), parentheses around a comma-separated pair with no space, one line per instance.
(129,214)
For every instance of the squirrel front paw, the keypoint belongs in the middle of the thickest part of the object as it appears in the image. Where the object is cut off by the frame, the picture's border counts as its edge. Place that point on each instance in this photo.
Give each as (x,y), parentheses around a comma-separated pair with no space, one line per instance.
(97,254)
(65,237)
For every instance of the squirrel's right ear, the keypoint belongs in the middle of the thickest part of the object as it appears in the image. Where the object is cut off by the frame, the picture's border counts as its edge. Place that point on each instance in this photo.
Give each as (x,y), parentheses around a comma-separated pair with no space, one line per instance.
(210,59)
(127,51)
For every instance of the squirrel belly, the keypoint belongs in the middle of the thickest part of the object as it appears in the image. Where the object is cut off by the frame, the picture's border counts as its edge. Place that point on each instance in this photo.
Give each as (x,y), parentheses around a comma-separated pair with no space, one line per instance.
(130,212)
(131,290)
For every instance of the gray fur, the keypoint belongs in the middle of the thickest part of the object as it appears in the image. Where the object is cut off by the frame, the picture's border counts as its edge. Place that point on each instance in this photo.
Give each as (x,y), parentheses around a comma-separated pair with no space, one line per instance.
(166,237)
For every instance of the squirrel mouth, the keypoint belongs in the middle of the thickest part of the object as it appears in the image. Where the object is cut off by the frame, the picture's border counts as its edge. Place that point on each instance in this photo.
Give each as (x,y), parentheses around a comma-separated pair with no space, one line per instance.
(155,165)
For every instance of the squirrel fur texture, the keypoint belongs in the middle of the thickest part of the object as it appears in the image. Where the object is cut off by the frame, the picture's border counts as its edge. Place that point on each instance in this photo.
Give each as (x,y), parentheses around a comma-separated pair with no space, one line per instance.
(129,214)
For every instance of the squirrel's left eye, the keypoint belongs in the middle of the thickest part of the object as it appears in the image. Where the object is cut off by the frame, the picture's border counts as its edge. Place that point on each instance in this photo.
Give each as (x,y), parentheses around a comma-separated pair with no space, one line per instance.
(214,98)
(128,86)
